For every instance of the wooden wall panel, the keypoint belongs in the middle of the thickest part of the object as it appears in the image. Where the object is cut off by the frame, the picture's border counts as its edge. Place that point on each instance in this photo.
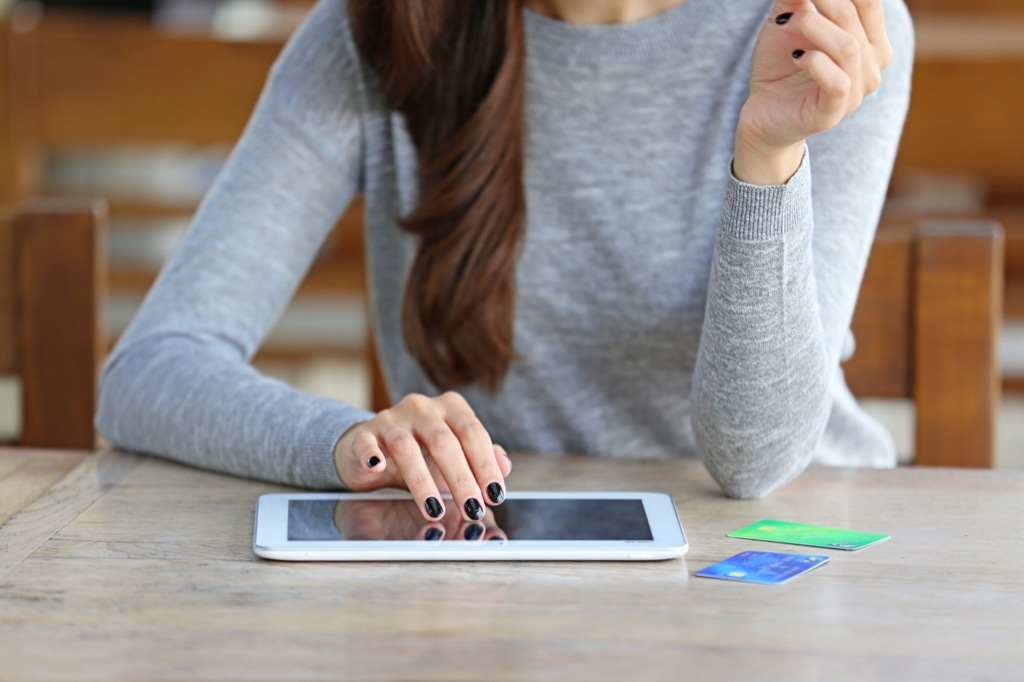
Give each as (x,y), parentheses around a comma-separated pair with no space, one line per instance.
(121,80)
(966,119)
(6,152)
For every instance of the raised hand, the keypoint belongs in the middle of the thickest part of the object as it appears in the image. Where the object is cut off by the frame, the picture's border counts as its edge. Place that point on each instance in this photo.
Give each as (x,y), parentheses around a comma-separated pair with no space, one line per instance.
(813,64)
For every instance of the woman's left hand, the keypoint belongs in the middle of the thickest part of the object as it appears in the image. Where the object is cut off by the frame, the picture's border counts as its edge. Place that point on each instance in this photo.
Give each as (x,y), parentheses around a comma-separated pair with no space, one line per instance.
(813,64)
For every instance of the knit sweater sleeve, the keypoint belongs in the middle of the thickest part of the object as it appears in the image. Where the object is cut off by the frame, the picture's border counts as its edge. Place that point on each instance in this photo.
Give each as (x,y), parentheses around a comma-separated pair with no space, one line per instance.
(179,383)
(784,279)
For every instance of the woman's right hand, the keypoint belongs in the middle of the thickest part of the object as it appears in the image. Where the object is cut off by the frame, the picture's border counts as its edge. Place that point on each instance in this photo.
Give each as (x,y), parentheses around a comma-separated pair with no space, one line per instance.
(427,445)
(403,520)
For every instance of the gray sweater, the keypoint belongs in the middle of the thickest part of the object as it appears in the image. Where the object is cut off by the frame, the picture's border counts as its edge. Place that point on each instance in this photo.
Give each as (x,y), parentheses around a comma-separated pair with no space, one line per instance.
(665,309)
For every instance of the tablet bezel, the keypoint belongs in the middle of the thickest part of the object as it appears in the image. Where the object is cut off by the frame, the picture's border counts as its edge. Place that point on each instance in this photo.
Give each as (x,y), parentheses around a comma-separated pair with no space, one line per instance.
(270,535)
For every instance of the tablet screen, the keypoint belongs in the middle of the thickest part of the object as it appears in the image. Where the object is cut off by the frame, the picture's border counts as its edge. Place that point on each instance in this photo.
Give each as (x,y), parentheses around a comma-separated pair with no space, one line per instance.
(520,519)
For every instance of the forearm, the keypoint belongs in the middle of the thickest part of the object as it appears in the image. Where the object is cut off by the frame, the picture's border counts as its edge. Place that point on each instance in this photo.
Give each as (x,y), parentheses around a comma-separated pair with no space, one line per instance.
(221,414)
(787,265)
(179,383)
(760,394)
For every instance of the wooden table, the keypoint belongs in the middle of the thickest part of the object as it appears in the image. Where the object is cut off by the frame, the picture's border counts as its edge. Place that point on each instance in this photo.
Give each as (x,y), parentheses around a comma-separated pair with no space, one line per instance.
(115,566)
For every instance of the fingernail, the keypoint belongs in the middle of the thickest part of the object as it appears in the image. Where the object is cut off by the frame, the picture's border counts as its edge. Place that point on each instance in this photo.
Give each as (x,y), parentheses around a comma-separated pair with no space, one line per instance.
(373,461)
(433,507)
(433,534)
(783,18)
(473,509)
(473,532)
(798,53)
(496,494)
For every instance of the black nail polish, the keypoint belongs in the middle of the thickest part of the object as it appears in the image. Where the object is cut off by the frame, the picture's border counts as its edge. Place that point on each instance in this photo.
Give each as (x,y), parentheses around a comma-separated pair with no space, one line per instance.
(798,53)
(495,492)
(373,461)
(473,509)
(433,534)
(433,507)
(783,18)
(473,532)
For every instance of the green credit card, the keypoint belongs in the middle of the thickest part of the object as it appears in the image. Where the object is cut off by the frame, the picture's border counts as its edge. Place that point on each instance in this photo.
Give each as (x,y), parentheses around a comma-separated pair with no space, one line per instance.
(810,536)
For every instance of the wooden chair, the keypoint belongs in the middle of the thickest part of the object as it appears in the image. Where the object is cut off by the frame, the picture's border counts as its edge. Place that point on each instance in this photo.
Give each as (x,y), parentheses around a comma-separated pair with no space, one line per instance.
(927,326)
(51,299)
(79,81)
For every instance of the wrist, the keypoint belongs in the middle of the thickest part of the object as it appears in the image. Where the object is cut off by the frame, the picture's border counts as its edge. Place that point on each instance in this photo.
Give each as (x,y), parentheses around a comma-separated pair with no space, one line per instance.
(757,163)
(342,447)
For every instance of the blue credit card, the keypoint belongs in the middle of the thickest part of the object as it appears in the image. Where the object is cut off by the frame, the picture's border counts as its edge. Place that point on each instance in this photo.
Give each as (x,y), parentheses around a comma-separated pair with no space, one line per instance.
(767,568)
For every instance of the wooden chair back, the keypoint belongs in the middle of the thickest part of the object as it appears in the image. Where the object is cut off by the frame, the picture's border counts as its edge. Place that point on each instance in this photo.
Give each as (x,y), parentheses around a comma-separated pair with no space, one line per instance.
(51,301)
(927,327)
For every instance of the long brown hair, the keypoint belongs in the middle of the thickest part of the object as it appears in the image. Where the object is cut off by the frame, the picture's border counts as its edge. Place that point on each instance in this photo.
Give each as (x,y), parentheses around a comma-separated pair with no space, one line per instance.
(455,69)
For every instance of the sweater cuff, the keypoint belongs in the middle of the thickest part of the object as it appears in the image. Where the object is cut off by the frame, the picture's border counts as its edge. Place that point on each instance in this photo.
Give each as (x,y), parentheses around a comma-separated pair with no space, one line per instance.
(322,435)
(765,212)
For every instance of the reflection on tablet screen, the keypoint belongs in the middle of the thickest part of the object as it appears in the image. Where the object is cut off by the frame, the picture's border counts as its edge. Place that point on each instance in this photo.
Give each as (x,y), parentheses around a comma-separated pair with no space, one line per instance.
(519,519)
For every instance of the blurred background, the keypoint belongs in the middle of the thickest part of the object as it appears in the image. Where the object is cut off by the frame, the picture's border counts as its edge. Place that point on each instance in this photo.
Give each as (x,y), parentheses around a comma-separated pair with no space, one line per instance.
(140,101)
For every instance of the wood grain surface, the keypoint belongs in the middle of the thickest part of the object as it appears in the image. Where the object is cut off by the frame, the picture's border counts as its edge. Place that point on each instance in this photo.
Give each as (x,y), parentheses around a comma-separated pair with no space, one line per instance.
(135,568)
(27,474)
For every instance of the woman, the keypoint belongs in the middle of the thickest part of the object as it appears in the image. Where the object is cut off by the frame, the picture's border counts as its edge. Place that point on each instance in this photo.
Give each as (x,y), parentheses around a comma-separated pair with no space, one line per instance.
(623,227)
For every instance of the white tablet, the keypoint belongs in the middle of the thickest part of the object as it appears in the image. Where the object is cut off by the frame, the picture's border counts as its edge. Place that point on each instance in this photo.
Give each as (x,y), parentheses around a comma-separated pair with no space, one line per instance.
(388,526)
